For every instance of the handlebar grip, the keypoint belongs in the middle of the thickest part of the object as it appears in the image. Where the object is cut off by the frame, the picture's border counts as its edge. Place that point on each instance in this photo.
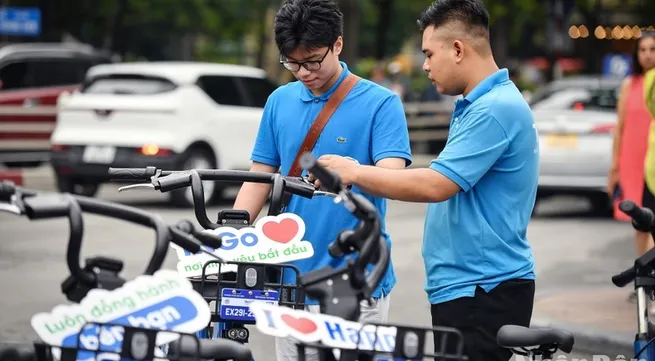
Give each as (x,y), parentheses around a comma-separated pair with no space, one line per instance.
(209,239)
(335,249)
(643,218)
(206,238)
(47,206)
(132,173)
(299,187)
(7,189)
(381,263)
(174,181)
(184,240)
(624,277)
(329,180)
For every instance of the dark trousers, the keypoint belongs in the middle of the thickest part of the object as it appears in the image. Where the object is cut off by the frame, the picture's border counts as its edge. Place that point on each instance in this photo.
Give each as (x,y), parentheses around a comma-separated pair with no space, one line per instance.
(479,318)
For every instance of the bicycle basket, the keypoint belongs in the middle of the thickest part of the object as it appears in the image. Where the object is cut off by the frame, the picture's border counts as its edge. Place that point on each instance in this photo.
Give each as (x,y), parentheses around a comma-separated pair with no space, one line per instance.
(390,342)
(107,341)
(233,291)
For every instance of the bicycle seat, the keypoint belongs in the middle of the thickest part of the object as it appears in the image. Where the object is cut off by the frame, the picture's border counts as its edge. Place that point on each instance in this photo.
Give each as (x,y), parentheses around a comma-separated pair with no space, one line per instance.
(210,349)
(513,336)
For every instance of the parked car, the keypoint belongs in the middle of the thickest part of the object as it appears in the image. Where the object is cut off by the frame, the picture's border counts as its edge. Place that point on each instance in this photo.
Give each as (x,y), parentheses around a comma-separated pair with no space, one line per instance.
(575,119)
(32,77)
(172,115)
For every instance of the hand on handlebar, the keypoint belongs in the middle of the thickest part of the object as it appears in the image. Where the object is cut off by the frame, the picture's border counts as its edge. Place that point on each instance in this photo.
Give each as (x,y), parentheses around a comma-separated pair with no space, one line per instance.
(345,167)
(351,284)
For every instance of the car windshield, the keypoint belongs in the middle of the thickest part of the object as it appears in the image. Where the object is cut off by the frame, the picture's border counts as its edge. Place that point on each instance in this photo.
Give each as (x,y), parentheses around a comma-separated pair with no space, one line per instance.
(128,84)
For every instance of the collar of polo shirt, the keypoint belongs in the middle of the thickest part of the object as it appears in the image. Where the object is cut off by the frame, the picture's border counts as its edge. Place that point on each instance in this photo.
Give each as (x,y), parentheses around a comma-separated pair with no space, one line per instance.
(307,96)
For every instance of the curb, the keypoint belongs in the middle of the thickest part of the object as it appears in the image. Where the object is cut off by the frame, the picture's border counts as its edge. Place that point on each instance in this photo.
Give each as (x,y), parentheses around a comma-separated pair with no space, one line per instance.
(595,342)
(39,178)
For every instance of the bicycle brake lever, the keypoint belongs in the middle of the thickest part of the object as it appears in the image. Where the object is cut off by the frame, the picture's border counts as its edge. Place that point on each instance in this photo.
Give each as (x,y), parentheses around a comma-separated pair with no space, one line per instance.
(139,185)
(154,183)
(327,194)
(10,208)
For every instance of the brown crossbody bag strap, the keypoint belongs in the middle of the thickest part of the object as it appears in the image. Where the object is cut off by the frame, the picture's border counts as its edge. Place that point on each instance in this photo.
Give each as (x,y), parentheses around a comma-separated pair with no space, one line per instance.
(321,120)
(319,123)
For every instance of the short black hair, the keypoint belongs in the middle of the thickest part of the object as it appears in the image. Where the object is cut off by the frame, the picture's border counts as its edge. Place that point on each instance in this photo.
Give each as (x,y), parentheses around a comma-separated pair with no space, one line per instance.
(308,24)
(472,13)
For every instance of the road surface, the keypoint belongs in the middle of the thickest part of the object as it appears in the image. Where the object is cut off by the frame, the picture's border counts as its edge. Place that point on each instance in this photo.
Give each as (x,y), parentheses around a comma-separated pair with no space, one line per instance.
(572,249)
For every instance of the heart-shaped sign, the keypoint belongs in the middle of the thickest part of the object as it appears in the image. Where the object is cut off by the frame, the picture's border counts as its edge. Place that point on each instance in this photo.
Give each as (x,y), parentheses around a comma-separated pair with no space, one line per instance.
(282,232)
(301,324)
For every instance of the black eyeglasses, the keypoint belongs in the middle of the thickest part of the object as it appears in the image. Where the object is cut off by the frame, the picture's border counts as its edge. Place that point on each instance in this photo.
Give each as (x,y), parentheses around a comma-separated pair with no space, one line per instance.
(312,65)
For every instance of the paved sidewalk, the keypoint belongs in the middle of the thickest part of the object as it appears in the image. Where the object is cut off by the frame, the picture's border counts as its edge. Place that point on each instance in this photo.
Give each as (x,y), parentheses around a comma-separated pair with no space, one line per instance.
(601,319)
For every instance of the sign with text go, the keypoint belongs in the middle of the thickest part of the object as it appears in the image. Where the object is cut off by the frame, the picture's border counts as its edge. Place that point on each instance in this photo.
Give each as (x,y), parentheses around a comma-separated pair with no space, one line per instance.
(273,239)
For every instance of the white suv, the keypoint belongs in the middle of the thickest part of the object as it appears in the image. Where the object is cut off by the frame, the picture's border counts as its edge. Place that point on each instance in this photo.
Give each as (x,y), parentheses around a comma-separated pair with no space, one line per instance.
(172,115)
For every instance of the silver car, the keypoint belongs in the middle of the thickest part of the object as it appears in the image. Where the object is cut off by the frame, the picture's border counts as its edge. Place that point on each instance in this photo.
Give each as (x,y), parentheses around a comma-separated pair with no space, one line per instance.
(575,118)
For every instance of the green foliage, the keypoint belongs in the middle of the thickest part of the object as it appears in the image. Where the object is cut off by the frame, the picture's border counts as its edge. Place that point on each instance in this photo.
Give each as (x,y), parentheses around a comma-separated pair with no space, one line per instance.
(150,26)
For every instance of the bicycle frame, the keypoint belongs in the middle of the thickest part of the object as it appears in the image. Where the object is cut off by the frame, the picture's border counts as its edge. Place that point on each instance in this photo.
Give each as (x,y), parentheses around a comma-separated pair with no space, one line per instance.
(643,340)
(642,276)
(644,344)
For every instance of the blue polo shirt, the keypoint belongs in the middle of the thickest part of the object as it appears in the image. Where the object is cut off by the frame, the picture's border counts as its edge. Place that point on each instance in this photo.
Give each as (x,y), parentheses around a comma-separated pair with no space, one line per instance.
(478,237)
(369,125)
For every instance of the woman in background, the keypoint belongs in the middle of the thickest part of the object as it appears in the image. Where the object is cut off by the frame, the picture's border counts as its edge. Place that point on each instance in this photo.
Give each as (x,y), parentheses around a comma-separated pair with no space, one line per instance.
(626,179)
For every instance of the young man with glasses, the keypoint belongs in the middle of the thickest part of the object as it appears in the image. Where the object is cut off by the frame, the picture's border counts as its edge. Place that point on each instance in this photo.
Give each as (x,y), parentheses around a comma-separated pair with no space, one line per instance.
(368,126)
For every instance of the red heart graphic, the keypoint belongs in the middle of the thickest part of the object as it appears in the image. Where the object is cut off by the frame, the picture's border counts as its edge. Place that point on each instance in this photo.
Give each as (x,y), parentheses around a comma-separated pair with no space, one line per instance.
(281,232)
(300,324)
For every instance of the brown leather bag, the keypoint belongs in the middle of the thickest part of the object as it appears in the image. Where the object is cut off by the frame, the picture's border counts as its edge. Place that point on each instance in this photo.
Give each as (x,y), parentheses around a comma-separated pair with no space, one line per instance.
(319,123)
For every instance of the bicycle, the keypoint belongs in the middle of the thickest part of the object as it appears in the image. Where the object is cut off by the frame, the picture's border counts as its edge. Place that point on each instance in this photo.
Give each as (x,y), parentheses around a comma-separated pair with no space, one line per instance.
(231,293)
(98,272)
(340,291)
(642,275)
(104,273)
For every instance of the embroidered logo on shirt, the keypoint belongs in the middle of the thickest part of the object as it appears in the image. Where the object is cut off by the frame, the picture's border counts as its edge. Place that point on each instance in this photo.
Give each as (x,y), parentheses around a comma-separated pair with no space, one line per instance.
(341,140)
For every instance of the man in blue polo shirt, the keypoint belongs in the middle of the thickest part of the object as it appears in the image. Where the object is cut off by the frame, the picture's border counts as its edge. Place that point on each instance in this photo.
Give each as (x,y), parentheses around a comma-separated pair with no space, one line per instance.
(369,126)
(481,188)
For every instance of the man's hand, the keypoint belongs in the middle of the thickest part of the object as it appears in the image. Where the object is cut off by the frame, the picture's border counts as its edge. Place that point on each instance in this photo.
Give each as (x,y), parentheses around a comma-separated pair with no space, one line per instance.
(345,168)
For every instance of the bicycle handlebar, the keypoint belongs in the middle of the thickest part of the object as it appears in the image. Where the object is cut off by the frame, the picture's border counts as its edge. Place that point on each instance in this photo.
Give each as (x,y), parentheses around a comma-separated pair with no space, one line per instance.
(643,220)
(48,205)
(166,181)
(366,239)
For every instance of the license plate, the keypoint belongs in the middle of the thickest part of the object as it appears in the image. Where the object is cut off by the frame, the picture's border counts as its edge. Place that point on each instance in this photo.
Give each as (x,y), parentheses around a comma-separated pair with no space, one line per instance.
(99,154)
(235,301)
(562,141)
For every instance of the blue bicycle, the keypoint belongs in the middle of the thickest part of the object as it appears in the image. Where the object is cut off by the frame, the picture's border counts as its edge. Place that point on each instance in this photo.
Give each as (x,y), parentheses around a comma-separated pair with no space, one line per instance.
(229,293)
(642,274)
(340,291)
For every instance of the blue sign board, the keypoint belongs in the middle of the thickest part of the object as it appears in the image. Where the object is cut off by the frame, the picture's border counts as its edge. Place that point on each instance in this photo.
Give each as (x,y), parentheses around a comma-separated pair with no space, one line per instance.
(20,21)
(619,65)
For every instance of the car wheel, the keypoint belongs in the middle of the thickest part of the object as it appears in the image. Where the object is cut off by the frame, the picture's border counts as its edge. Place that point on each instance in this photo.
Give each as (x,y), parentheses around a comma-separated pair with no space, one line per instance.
(601,205)
(69,185)
(196,158)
